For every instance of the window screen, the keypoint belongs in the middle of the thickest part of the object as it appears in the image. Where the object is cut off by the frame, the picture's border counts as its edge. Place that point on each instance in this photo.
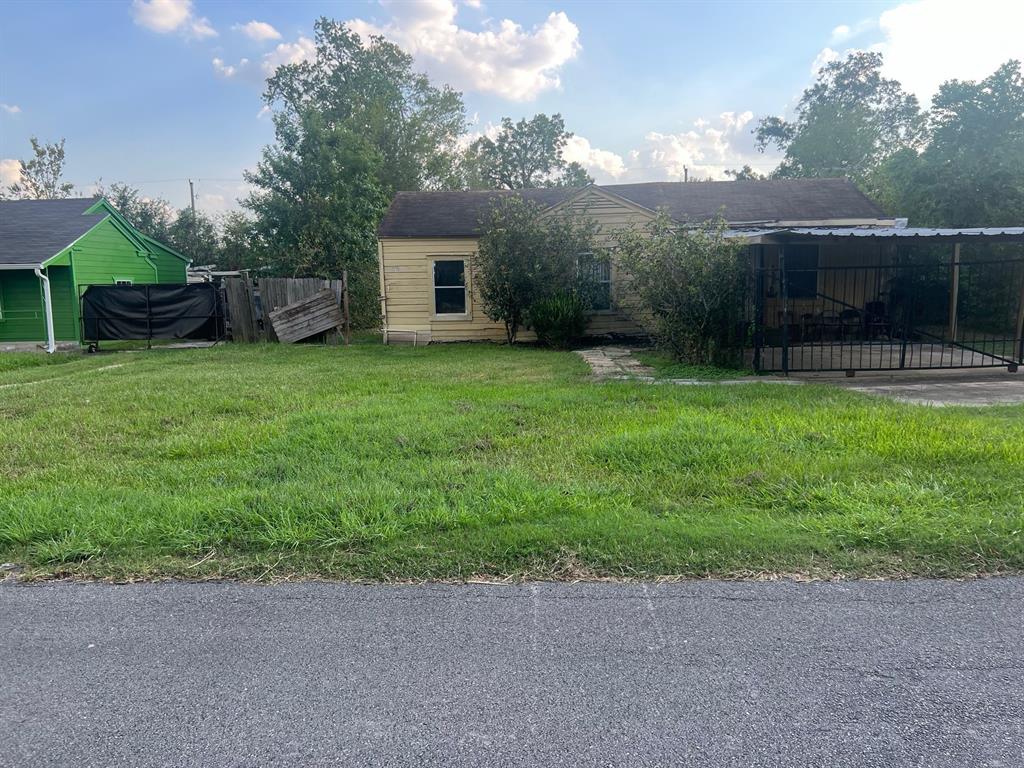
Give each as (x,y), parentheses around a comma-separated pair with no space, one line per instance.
(602,286)
(802,271)
(450,287)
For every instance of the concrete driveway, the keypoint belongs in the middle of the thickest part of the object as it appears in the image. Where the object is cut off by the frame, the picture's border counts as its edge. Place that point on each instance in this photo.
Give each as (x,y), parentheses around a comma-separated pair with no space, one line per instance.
(985,386)
(915,673)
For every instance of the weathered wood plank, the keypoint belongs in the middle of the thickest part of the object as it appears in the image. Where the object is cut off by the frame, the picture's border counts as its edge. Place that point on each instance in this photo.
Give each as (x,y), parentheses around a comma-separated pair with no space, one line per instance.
(307,317)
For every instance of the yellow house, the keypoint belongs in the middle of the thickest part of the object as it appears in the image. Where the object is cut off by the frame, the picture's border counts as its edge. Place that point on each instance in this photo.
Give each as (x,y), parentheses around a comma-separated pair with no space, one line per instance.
(427,242)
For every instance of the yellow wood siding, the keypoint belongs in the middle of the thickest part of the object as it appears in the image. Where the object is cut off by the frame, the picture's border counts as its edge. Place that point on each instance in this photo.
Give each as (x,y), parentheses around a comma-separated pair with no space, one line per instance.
(408,287)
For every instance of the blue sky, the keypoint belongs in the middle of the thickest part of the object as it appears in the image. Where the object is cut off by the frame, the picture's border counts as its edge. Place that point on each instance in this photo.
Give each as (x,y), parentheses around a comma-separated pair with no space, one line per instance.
(153,92)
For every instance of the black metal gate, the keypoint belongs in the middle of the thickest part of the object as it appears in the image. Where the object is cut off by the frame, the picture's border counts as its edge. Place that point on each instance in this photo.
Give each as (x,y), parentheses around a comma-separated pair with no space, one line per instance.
(884,317)
(147,312)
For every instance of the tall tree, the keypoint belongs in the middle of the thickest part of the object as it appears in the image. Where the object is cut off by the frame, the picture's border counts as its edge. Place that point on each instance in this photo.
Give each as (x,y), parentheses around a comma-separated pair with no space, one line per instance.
(240,245)
(194,235)
(317,202)
(524,154)
(41,176)
(150,215)
(971,173)
(370,89)
(847,124)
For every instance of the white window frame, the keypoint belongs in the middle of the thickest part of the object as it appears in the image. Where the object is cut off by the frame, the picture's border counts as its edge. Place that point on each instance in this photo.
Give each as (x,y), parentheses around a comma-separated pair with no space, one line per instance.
(465,258)
(611,278)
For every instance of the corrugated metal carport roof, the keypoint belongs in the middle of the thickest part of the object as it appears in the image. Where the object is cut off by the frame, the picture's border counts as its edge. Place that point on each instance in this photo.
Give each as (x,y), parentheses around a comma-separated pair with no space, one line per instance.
(932,234)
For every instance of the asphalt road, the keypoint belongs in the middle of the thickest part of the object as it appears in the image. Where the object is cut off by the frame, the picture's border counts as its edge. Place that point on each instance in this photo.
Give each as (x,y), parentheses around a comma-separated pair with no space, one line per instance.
(921,673)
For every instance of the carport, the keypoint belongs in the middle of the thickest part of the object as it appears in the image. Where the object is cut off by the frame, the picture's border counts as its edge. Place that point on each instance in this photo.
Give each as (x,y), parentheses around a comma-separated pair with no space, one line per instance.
(886,298)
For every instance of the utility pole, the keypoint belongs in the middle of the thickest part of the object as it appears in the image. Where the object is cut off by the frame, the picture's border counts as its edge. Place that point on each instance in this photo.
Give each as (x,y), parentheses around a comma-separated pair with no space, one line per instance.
(195,236)
(686,174)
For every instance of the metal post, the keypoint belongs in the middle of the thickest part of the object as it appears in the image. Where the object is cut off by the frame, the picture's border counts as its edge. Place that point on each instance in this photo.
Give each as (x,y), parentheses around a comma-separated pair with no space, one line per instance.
(954,290)
(149,321)
(908,315)
(785,309)
(344,301)
(1020,318)
(758,307)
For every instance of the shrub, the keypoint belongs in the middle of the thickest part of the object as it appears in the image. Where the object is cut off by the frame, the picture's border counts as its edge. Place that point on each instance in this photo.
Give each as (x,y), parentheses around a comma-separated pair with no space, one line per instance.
(692,281)
(558,320)
(526,258)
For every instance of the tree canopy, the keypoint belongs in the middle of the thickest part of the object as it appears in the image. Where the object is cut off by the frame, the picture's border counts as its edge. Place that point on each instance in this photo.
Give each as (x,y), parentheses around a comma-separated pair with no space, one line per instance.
(41,177)
(524,154)
(369,88)
(847,123)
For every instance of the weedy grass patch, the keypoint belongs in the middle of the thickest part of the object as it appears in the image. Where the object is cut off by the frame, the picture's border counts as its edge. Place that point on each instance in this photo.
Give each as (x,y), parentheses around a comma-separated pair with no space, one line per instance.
(466,461)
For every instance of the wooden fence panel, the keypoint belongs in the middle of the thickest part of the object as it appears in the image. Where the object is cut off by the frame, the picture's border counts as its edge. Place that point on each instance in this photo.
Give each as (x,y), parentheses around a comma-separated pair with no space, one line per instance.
(241,309)
(274,294)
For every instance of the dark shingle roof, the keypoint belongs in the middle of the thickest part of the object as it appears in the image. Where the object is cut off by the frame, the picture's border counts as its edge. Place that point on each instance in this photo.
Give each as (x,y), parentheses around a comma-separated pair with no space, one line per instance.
(452,214)
(31,231)
(456,214)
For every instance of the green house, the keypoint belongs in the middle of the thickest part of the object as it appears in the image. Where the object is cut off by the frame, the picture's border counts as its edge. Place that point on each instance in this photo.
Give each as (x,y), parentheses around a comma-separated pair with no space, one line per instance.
(52,250)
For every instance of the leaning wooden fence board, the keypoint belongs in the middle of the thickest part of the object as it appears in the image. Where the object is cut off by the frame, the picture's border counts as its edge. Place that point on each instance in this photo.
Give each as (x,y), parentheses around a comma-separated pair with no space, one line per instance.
(252,303)
(307,317)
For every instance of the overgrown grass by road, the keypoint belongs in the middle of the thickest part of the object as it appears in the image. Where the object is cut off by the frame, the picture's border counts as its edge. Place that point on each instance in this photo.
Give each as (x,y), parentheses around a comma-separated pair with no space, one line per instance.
(472,460)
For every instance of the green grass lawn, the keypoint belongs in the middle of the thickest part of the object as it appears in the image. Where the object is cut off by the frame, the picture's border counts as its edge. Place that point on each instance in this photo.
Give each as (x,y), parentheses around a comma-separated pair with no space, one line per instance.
(478,460)
(666,367)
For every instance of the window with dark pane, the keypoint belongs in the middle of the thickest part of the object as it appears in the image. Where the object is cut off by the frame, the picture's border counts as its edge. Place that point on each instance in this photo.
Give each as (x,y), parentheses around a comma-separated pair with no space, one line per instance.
(602,286)
(802,271)
(450,287)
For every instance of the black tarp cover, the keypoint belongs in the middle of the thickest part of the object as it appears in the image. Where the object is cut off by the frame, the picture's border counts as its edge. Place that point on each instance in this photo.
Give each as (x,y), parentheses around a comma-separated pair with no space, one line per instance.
(115,312)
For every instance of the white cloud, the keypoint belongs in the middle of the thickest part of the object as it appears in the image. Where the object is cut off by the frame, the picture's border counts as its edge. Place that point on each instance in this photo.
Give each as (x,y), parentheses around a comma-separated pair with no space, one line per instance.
(473,3)
(931,41)
(303,49)
(705,152)
(503,58)
(166,16)
(228,70)
(258,30)
(926,42)
(10,171)
(602,164)
(10,109)
(825,56)
(840,33)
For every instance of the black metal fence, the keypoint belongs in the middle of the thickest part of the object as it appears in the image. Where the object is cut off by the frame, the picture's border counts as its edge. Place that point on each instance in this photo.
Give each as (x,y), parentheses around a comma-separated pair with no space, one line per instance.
(147,312)
(937,314)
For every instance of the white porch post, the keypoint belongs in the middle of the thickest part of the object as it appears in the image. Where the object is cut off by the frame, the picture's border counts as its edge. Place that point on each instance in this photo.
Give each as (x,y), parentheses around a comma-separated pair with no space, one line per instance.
(51,343)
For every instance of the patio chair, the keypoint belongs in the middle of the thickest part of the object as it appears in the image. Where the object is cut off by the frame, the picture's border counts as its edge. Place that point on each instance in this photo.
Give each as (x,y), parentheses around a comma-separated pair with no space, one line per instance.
(830,326)
(849,323)
(876,321)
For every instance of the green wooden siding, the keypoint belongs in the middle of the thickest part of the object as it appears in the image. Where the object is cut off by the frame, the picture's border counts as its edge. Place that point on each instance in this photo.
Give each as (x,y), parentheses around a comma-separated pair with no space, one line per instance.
(101,257)
(105,254)
(21,306)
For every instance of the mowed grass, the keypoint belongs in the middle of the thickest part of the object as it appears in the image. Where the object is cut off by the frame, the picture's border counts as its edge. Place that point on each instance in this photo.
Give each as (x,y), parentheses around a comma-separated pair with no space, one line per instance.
(464,461)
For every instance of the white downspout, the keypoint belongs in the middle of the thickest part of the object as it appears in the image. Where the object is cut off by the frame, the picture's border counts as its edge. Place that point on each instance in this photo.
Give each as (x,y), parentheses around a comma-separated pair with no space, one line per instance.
(51,344)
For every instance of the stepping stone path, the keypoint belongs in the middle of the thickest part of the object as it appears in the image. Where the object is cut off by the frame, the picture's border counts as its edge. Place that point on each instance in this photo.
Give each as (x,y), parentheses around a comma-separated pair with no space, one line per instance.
(615,363)
(618,363)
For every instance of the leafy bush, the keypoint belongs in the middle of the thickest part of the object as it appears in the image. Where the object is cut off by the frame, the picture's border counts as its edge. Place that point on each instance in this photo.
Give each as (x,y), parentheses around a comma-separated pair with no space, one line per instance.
(692,281)
(558,320)
(526,258)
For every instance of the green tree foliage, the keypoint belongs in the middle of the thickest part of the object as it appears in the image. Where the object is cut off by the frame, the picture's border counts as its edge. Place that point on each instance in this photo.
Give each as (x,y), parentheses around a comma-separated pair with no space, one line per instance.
(240,244)
(746,173)
(847,124)
(692,281)
(316,203)
(41,176)
(526,258)
(194,236)
(370,89)
(971,173)
(523,155)
(151,216)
